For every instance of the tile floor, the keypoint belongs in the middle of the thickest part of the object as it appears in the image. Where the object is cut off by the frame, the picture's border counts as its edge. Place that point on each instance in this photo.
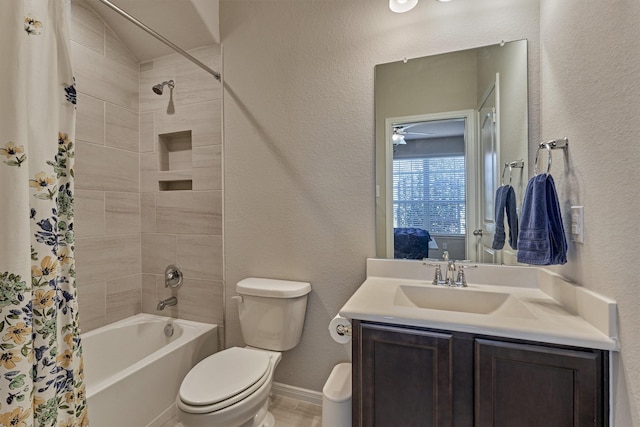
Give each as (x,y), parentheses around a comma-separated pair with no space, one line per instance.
(288,412)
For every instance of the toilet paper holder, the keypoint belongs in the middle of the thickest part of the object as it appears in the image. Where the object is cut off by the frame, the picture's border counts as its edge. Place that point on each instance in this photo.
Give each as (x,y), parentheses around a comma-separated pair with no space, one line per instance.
(340,329)
(343,330)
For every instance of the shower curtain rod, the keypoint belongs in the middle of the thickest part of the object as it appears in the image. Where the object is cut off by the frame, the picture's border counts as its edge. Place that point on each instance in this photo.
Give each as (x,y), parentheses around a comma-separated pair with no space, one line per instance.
(163,39)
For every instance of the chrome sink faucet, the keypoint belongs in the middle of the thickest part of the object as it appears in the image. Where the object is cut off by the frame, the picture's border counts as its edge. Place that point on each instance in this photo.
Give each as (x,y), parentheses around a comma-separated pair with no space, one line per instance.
(451,277)
(450,274)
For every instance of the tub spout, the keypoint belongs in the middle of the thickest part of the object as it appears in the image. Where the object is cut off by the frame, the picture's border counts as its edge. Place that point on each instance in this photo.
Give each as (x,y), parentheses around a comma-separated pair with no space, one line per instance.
(167,303)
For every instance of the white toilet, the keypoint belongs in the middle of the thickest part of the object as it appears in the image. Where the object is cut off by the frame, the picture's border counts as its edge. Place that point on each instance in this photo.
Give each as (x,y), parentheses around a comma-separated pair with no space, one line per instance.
(231,388)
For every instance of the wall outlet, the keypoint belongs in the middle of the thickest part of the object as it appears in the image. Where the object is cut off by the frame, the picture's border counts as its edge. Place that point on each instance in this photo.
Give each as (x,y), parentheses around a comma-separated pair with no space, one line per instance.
(577,224)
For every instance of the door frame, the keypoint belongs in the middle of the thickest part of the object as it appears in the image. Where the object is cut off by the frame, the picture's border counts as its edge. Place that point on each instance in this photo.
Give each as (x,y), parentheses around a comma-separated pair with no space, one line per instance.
(487,228)
(470,158)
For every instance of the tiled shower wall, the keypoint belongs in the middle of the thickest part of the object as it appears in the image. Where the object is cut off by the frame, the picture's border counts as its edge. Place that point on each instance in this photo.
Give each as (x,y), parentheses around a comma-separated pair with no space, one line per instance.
(127,231)
(183,227)
(107,209)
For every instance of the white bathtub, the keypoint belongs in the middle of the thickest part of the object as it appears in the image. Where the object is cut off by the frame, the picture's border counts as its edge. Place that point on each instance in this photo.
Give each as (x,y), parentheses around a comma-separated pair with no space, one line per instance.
(133,371)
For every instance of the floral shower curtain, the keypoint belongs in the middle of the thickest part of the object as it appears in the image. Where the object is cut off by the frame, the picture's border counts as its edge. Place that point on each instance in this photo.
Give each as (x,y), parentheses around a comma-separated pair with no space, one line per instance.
(41,374)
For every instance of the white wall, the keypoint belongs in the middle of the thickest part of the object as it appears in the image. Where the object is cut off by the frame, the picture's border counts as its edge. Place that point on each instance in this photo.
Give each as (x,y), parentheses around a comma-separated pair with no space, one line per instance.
(299,139)
(591,93)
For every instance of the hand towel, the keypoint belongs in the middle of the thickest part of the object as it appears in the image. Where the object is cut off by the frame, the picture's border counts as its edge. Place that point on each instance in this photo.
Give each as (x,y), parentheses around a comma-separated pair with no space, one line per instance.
(501,201)
(558,239)
(505,201)
(512,218)
(541,240)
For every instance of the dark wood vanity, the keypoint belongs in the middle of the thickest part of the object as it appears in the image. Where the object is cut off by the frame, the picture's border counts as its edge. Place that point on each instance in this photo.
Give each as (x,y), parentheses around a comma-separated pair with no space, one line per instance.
(410,377)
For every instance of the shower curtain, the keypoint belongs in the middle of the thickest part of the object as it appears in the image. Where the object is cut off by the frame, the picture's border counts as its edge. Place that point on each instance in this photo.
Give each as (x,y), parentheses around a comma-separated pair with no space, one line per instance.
(41,374)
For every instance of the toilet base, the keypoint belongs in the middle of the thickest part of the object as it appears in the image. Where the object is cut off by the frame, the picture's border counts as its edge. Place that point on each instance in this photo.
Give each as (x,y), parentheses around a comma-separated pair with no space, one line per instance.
(269,420)
(263,418)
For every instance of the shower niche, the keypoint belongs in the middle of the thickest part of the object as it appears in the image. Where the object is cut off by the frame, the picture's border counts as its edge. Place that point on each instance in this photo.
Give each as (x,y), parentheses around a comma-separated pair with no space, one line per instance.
(175,168)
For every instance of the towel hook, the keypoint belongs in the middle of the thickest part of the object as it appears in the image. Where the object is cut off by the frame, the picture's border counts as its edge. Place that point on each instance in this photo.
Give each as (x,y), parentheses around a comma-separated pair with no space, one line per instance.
(535,164)
(515,164)
(504,169)
(562,143)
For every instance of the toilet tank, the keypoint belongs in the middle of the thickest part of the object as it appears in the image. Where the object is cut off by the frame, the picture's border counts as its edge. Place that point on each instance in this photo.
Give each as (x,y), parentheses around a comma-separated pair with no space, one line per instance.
(272,312)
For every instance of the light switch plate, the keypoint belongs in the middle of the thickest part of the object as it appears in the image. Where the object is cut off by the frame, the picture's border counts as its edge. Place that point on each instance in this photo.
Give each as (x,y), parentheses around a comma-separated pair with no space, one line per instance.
(577,224)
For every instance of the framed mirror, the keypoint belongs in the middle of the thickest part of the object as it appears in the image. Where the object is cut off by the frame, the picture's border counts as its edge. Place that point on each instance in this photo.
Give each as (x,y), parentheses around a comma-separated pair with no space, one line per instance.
(450,129)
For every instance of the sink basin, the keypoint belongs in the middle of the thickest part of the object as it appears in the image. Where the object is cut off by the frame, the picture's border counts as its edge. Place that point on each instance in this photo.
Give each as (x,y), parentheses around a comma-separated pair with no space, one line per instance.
(461,300)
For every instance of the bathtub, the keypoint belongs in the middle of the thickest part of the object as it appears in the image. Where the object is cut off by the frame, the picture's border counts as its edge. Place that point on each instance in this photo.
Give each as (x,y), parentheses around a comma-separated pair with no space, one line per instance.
(133,371)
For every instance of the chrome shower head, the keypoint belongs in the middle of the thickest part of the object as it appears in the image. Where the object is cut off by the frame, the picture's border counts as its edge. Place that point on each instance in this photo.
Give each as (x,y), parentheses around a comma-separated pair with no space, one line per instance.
(160,87)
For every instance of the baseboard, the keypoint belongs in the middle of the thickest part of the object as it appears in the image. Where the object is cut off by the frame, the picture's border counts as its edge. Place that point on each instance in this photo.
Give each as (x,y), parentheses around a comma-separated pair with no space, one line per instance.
(298,393)
(169,413)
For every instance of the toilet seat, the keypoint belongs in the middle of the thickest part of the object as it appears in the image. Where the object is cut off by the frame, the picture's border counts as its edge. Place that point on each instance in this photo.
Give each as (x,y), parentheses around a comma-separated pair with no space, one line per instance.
(224,379)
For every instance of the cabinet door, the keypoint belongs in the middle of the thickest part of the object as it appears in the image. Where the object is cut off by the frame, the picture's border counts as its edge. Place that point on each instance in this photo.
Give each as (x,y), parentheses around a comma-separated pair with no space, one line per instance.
(533,386)
(403,378)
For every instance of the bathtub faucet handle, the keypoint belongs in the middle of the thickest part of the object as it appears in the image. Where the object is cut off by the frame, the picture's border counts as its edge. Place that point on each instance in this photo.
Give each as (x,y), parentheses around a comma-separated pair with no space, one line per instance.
(172,277)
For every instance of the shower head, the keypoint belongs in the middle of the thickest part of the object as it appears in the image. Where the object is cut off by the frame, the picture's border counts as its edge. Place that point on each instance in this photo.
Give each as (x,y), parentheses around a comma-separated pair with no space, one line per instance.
(160,86)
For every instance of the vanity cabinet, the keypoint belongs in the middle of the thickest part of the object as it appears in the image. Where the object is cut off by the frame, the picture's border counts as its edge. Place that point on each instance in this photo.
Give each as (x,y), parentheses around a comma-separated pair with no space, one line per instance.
(405,376)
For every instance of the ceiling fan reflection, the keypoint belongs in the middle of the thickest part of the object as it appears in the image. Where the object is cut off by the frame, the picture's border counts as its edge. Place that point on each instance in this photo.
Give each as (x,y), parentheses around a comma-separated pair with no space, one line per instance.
(400,132)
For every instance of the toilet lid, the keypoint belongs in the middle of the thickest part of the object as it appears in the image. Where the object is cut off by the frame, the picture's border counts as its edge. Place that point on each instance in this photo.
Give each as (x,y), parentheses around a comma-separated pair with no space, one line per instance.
(223,375)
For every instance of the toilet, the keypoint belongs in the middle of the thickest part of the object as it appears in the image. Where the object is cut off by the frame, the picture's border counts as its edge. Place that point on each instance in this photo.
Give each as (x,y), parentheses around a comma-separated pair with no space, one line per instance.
(231,388)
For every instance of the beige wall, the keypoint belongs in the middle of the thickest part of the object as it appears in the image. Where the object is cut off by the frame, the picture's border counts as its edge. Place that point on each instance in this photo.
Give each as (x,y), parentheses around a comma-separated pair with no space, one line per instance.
(107,204)
(591,93)
(127,231)
(299,140)
(299,132)
(510,62)
(299,126)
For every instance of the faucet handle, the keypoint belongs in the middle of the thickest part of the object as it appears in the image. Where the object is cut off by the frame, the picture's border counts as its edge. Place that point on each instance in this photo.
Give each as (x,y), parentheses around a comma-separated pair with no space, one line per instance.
(445,255)
(172,277)
(461,279)
(437,277)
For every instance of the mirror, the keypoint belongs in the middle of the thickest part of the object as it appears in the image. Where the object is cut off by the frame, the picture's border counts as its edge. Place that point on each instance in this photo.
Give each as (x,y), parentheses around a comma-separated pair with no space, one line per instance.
(446,125)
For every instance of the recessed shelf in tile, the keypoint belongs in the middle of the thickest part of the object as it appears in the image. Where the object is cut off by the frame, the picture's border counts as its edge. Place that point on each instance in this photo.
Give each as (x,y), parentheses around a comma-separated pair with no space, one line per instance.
(175,157)
(175,151)
(175,185)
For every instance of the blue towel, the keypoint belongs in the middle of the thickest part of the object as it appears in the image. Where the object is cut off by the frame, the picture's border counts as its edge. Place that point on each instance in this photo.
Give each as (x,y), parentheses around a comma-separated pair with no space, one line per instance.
(505,200)
(542,240)
(557,237)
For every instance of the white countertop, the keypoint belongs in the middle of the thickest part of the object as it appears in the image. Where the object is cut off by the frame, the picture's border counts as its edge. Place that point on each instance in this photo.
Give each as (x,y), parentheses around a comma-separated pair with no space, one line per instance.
(548,309)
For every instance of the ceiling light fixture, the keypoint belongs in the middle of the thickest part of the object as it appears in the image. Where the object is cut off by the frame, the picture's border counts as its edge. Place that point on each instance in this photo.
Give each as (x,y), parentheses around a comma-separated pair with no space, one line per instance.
(400,6)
